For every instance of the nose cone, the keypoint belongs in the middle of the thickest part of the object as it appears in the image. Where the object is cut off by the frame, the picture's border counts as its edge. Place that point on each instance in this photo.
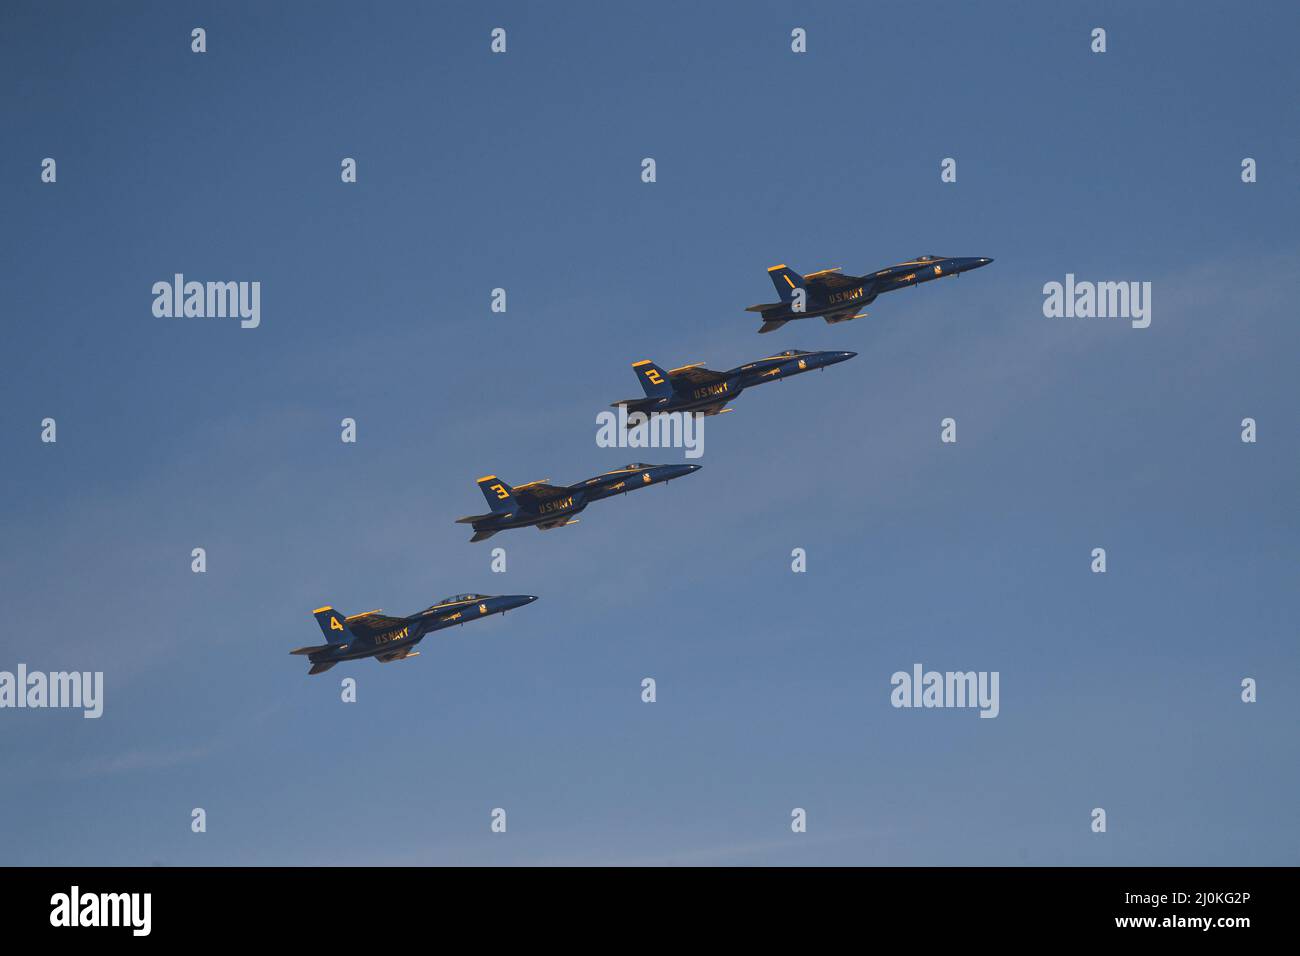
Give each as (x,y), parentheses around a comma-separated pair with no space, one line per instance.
(834,357)
(968,264)
(513,601)
(678,471)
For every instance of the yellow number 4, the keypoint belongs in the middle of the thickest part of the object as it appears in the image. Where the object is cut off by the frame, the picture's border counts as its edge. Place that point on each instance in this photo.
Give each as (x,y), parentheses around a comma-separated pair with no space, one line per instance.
(335,625)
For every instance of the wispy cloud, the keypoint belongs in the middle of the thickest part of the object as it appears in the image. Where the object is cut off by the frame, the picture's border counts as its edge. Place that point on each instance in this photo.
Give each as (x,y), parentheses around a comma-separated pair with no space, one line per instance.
(134,760)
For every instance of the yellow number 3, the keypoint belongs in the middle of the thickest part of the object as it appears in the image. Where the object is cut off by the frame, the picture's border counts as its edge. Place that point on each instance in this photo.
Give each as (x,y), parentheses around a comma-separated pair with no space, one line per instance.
(501,492)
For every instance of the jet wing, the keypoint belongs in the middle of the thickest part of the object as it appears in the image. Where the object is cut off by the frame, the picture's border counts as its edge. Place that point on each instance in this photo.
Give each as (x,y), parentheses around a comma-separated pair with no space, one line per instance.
(830,280)
(538,491)
(844,315)
(363,625)
(398,655)
(698,376)
(556,523)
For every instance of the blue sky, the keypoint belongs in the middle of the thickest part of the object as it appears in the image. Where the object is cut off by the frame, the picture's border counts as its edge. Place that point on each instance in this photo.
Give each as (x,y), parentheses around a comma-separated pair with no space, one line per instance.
(523,171)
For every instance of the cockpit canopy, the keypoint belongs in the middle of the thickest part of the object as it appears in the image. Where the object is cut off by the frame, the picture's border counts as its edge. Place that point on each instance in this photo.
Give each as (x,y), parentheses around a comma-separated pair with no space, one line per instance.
(637,466)
(458,598)
(790,353)
(927,258)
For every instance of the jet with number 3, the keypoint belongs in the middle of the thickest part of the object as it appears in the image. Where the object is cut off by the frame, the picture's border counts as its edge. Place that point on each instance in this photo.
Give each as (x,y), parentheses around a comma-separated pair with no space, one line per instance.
(545,506)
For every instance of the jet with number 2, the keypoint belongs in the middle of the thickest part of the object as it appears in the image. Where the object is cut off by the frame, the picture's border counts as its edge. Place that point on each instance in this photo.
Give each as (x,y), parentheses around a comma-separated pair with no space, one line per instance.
(545,506)
(837,298)
(699,390)
(394,638)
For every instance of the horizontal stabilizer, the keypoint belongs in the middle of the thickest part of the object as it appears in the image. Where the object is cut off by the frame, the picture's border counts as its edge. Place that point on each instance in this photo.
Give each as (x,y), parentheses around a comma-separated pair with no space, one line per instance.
(771,325)
(637,404)
(310,650)
(321,668)
(481,536)
(470,519)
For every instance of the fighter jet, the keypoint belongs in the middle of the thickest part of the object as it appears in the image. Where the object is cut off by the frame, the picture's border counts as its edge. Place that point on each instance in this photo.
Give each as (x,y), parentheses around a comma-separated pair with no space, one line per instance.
(837,298)
(546,506)
(394,638)
(696,389)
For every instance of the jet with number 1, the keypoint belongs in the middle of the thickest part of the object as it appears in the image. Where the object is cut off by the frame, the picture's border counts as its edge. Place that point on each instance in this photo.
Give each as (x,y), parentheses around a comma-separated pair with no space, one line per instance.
(836,297)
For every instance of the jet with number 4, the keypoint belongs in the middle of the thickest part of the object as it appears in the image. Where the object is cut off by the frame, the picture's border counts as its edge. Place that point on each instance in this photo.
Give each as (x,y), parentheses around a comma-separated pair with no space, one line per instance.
(390,639)
(836,297)
(545,506)
(699,390)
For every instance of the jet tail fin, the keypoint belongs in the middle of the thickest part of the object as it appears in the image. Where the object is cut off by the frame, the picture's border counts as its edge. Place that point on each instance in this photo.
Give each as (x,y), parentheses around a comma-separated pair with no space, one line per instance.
(322,667)
(786,281)
(481,536)
(333,625)
(771,325)
(500,496)
(653,379)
